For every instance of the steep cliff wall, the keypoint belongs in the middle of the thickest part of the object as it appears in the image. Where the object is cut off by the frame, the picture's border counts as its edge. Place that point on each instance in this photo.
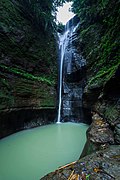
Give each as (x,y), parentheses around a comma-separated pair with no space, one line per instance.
(98,41)
(28,69)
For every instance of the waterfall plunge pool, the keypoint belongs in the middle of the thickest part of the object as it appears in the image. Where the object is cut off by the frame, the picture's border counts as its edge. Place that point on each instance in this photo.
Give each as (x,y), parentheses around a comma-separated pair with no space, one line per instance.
(31,154)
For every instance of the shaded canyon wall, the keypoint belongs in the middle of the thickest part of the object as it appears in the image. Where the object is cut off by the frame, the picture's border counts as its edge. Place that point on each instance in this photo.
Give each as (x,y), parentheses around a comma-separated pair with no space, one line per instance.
(74,75)
(98,42)
(28,70)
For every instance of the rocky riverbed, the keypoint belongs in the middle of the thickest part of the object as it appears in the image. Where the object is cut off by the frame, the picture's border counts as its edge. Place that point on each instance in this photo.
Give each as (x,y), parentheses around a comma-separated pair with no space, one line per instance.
(100,158)
(103,164)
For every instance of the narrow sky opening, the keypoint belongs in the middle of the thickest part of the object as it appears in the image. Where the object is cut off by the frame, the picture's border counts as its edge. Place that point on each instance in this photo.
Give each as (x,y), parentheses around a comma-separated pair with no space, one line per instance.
(64,14)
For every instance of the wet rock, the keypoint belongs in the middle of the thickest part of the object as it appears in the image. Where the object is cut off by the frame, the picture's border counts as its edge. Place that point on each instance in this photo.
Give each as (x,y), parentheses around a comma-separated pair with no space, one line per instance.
(17,119)
(72,103)
(99,131)
(90,96)
(102,164)
(117,133)
(74,67)
(74,21)
(104,97)
(99,136)
(109,109)
(76,76)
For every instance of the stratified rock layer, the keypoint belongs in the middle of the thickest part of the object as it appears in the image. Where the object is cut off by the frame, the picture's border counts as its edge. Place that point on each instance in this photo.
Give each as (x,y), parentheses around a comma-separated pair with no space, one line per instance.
(28,63)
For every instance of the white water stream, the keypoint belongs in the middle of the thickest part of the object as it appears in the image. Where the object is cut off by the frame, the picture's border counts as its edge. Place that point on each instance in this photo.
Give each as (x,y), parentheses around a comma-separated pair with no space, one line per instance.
(64,41)
(62,46)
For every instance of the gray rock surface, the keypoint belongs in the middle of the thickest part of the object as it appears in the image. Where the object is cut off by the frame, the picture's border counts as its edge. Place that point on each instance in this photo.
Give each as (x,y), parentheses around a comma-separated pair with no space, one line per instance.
(117,133)
(101,165)
(99,131)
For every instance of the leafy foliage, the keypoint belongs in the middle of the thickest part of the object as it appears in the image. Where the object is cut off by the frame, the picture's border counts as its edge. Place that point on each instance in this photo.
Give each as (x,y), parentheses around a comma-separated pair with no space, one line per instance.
(99,36)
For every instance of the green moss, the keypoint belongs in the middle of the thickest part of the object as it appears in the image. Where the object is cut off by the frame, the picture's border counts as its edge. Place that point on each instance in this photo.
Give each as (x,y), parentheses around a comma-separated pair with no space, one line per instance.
(28,60)
(112,113)
(4,82)
(25,92)
(48,101)
(103,75)
(6,100)
(99,38)
(8,11)
(23,43)
(27,75)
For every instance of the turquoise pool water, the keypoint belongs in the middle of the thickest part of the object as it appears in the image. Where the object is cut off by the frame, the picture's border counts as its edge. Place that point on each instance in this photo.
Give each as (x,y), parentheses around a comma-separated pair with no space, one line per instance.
(31,154)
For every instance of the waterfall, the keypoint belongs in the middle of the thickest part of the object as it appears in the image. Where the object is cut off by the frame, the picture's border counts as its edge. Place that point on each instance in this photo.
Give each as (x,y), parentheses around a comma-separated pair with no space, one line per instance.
(62,45)
(64,41)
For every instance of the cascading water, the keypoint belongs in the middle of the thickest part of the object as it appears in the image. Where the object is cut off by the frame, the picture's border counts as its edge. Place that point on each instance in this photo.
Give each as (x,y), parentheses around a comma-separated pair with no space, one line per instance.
(72,76)
(62,45)
(64,41)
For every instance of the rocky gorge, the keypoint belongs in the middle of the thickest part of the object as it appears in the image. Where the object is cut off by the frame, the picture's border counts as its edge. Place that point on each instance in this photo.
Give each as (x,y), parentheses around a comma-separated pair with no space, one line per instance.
(97,42)
(28,77)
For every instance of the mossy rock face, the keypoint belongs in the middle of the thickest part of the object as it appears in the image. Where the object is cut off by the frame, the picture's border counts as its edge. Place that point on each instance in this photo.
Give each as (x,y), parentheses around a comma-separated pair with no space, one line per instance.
(98,41)
(18,90)
(99,35)
(28,61)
